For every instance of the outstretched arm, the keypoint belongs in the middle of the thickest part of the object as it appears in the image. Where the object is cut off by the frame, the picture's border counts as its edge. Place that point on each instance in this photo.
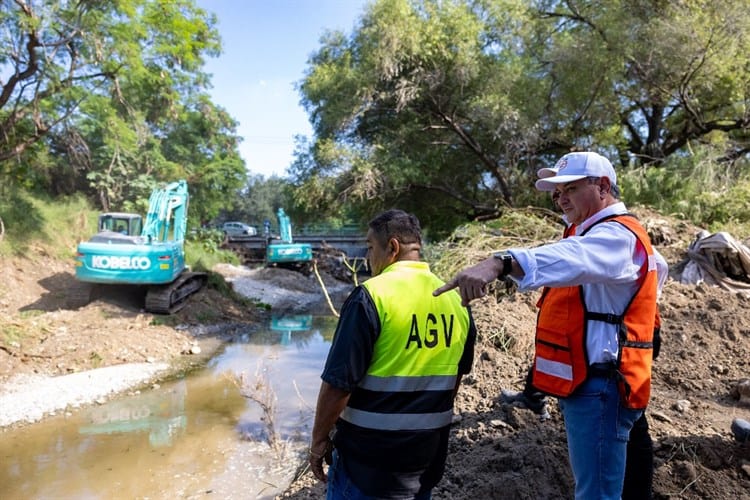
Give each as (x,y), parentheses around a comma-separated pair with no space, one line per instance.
(472,281)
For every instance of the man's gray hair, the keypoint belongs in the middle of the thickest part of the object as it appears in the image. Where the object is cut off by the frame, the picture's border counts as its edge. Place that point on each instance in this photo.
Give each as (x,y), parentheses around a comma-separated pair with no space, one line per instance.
(614,189)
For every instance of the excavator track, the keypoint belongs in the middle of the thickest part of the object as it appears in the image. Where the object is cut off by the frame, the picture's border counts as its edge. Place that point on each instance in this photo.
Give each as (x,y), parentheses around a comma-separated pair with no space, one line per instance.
(170,298)
(80,294)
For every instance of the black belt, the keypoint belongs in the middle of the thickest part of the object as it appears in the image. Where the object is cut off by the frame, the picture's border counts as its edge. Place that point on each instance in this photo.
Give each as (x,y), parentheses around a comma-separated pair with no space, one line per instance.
(602,370)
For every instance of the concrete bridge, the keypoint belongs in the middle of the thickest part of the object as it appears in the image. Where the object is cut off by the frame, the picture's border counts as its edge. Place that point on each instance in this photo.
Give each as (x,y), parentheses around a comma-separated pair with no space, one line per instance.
(252,249)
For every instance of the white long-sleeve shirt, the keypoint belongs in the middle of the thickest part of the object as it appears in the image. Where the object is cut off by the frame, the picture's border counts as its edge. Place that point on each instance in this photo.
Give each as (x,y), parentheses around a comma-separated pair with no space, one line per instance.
(606,261)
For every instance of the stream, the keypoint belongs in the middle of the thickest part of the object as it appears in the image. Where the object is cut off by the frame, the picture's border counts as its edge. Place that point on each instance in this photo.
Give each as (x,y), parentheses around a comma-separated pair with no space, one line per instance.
(238,428)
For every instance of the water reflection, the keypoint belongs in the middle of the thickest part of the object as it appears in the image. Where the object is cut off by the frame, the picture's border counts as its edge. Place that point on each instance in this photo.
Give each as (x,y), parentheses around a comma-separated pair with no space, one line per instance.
(188,437)
(161,414)
(290,375)
(290,323)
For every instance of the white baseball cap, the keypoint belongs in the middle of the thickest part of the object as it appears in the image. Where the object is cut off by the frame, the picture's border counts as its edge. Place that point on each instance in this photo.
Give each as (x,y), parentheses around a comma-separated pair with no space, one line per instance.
(573,167)
(545,172)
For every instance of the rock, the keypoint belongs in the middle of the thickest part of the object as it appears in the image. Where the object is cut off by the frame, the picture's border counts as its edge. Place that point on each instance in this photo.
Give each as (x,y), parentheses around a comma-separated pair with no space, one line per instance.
(499,423)
(742,391)
(660,416)
(719,369)
(682,405)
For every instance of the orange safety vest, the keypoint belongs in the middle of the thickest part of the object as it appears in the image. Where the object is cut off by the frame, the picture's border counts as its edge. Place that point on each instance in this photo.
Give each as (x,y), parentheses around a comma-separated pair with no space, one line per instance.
(561,361)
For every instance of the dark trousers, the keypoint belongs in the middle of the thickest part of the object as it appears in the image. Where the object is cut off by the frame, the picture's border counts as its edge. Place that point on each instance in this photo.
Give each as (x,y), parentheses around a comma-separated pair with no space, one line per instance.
(639,464)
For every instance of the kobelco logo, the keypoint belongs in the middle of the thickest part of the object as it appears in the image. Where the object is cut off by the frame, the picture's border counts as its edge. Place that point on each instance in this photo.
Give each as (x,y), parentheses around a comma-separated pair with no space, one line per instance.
(290,251)
(113,262)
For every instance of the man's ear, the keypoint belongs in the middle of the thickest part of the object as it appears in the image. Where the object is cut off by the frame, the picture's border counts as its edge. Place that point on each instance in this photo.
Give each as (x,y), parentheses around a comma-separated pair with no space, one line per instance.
(394,247)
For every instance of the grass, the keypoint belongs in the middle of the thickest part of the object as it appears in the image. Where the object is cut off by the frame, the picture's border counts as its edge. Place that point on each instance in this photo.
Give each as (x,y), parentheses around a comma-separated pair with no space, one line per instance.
(471,243)
(51,227)
(501,339)
(30,313)
(11,334)
(55,226)
(164,320)
(697,188)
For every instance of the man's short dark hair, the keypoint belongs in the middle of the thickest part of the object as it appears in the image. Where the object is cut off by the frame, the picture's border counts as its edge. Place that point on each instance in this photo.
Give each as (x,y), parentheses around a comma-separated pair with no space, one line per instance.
(397,224)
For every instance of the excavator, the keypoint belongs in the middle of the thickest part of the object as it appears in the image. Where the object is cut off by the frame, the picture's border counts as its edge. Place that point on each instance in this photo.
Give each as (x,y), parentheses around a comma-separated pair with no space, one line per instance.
(128,251)
(285,251)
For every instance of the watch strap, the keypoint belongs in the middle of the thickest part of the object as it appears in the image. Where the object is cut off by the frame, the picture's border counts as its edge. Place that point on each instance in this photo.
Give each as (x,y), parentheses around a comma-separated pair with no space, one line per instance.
(507,259)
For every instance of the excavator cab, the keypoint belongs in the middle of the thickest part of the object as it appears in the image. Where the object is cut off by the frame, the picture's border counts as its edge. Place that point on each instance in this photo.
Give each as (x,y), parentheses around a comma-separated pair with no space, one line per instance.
(122,223)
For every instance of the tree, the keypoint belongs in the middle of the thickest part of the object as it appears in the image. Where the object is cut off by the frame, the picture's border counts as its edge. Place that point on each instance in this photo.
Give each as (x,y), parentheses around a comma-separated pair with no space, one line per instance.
(664,75)
(259,200)
(448,108)
(109,97)
(204,141)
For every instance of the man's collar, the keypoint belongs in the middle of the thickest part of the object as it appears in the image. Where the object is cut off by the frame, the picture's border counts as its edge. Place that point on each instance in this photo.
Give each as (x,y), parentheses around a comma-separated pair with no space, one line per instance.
(614,209)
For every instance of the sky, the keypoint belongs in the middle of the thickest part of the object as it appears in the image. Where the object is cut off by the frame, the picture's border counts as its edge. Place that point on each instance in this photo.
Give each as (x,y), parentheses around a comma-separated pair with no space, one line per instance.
(266,45)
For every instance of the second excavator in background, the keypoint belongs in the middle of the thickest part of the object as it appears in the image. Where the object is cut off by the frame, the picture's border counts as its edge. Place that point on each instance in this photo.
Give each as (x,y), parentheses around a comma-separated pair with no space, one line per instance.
(285,251)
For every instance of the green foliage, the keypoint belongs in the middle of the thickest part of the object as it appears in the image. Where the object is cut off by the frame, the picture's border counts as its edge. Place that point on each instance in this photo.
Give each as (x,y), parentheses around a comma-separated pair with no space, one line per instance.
(207,238)
(447,109)
(57,225)
(111,101)
(21,219)
(471,243)
(720,211)
(697,188)
(217,282)
(443,108)
(200,259)
(258,201)
(10,334)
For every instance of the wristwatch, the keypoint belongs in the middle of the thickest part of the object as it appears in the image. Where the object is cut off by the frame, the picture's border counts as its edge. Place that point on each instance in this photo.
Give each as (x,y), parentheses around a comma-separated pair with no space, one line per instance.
(507,259)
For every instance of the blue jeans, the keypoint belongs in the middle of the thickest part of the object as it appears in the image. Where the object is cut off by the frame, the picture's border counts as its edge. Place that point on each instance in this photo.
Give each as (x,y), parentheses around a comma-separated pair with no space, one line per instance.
(340,487)
(598,427)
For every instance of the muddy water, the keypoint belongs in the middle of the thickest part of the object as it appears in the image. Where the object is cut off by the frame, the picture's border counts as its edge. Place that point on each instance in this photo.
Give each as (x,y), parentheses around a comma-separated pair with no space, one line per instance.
(236,429)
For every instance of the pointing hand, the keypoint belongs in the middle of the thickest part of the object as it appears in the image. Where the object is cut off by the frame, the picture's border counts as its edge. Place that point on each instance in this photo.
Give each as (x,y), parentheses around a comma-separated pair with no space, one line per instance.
(472,281)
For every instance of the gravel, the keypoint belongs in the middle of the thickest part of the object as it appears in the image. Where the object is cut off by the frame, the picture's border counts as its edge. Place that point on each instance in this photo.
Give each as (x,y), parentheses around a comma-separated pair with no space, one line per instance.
(30,398)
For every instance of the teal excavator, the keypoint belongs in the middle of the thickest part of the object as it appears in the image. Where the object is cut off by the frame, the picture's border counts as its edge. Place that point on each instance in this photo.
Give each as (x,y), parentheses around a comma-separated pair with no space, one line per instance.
(128,251)
(285,251)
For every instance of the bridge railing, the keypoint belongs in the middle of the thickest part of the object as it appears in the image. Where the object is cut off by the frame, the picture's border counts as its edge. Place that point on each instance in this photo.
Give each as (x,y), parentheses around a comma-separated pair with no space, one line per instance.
(329,230)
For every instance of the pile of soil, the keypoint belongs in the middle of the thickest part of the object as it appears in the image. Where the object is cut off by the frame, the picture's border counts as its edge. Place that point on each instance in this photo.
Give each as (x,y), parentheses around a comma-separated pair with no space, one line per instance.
(496,450)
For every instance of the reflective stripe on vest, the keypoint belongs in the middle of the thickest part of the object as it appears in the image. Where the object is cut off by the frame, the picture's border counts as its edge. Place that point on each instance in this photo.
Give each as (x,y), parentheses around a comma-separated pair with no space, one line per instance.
(397,421)
(555,368)
(408,384)
(421,342)
(561,360)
